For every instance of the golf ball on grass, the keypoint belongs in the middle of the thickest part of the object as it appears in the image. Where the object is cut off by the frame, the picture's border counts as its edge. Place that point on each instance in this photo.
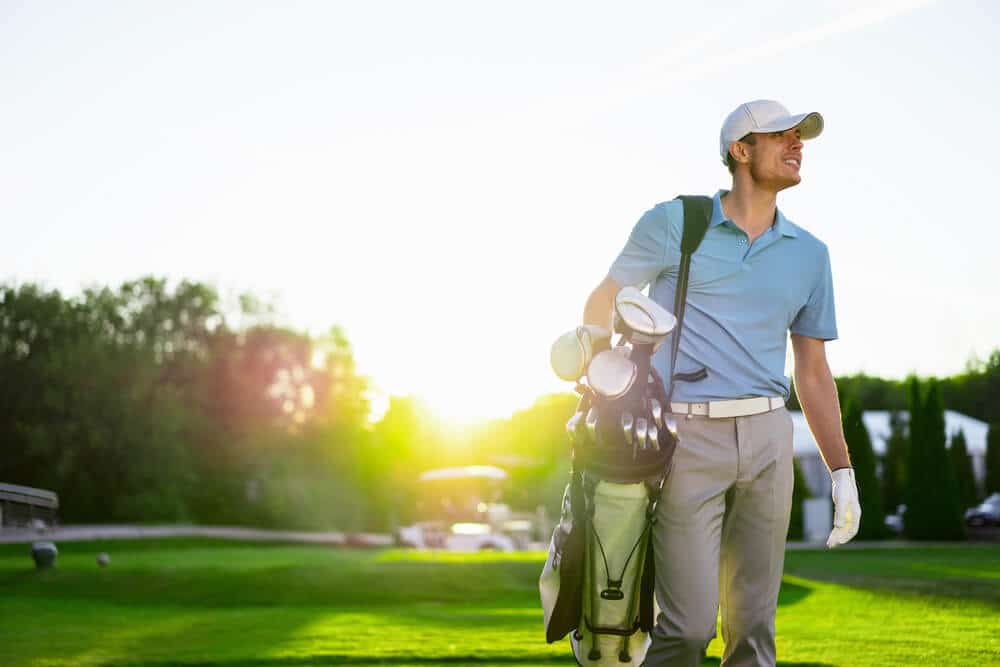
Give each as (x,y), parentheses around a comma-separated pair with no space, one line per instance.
(103,559)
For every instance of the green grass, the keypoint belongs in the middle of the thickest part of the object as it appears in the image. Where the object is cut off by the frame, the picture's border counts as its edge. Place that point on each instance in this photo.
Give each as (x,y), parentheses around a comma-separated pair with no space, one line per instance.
(204,602)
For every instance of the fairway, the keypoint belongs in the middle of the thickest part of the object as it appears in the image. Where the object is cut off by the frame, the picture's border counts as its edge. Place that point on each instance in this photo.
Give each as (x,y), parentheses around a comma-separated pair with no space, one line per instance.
(206,602)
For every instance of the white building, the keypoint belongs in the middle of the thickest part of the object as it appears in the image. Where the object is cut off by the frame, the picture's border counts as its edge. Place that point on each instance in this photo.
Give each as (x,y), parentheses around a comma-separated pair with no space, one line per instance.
(877,423)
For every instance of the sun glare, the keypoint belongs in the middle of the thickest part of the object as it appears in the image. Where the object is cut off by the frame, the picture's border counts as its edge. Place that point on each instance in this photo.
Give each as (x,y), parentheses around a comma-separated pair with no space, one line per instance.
(459,394)
(474,404)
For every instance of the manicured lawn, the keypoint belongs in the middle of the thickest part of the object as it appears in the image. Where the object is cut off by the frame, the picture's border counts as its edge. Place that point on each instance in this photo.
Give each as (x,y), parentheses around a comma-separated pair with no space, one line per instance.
(204,602)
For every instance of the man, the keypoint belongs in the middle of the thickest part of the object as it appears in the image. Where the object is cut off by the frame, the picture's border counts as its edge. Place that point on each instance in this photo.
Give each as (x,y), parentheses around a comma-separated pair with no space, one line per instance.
(723,515)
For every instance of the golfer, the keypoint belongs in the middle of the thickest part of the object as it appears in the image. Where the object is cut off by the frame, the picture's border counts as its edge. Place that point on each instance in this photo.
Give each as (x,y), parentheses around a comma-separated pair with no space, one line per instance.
(723,515)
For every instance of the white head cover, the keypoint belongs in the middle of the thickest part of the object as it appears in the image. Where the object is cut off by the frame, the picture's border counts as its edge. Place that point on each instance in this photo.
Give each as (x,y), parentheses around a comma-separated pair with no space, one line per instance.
(611,373)
(572,352)
(762,116)
(648,321)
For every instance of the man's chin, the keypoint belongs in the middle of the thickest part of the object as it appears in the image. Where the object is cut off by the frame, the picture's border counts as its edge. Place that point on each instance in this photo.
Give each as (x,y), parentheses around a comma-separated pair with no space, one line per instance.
(788,183)
(777,182)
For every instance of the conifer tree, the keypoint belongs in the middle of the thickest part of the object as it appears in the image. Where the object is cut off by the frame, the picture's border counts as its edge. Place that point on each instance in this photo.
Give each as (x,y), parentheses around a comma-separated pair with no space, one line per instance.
(993,459)
(961,465)
(894,464)
(800,492)
(932,504)
(859,445)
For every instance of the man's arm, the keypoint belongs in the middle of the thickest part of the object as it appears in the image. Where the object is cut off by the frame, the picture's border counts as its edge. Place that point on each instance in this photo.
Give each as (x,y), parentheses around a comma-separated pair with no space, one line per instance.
(817,395)
(600,303)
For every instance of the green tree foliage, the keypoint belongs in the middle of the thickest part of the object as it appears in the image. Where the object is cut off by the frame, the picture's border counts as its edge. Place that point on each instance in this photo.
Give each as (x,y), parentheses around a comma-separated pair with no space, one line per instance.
(894,463)
(976,392)
(800,492)
(140,404)
(537,438)
(992,482)
(932,508)
(89,405)
(859,445)
(405,442)
(961,465)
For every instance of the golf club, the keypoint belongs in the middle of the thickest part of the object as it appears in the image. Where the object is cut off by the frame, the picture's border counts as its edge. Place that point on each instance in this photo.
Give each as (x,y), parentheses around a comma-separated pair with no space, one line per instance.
(654,407)
(640,433)
(672,426)
(627,423)
(592,425)
(572,425)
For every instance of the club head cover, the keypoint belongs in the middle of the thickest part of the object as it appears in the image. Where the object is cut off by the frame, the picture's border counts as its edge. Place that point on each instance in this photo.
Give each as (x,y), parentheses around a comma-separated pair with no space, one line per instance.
(641,319)
(611,373)
(571,353)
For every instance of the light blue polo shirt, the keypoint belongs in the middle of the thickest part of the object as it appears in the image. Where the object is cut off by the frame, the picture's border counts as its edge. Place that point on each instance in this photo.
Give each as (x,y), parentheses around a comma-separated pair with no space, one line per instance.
(742,298)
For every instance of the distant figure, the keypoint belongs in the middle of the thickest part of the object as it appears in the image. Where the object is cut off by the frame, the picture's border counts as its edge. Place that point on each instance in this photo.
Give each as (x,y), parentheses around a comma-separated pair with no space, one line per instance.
(724,511)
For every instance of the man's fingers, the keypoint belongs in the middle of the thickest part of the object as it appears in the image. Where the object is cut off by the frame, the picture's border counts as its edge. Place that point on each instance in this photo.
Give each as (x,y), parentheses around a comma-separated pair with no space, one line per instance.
(846,523)
(837,537)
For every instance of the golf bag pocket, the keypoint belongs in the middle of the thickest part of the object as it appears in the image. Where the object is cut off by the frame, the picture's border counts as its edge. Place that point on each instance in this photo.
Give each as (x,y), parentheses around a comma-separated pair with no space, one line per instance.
(561,583)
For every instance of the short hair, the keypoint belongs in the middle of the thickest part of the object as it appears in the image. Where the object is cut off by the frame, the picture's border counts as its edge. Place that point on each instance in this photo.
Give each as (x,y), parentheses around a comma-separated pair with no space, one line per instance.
(748,138)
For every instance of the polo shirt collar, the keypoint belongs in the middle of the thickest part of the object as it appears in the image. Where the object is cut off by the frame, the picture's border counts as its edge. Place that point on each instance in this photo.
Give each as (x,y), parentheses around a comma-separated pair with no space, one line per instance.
(718,217)
(781,223)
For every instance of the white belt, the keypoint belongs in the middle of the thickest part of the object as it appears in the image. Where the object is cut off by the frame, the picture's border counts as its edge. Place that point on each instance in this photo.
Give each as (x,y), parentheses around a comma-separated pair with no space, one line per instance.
(740,407)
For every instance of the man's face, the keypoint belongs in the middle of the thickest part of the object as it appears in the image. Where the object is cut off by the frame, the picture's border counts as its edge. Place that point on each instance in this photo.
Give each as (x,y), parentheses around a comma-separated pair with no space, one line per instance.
(775,159)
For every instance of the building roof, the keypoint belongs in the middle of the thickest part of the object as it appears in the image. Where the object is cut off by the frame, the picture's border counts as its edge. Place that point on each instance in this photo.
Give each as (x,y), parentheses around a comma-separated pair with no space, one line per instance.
(464,472)
(877,423)
(29,496)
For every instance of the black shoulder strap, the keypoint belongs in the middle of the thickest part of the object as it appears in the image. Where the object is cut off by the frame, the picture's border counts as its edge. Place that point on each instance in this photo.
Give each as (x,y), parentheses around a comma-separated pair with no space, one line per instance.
(697,214)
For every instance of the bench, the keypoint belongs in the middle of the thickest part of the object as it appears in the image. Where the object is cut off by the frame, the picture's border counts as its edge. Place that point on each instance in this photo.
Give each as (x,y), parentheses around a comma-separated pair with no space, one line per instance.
(26,507)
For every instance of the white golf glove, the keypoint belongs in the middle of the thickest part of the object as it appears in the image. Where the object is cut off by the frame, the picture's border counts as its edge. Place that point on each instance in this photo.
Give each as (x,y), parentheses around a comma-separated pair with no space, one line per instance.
(847,509)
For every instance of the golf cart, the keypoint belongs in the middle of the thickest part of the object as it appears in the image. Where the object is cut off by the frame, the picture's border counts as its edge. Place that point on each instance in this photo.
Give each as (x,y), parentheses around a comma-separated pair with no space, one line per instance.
(459,509)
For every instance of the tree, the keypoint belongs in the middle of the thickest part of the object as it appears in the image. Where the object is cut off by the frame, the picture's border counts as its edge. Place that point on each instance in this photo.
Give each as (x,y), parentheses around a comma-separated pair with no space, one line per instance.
(976,391)
(800,492)
(932,504)
(859,445)
(993,459)
(961,465)
(894,463)
(88,405)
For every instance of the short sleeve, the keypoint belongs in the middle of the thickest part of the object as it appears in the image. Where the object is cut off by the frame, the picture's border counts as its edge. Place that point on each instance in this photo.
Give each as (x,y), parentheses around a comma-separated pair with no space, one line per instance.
(644,255)
(817,318)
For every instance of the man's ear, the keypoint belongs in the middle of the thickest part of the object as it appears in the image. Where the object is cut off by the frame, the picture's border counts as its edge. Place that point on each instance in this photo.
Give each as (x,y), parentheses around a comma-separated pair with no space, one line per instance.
(739,151)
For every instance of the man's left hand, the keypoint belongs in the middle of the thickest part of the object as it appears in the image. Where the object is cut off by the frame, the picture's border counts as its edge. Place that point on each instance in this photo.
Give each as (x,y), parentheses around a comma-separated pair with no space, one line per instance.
(847,509)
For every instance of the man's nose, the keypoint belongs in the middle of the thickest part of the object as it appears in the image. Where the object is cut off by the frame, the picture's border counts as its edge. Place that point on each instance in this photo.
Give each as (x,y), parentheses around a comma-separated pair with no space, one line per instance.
(796,142)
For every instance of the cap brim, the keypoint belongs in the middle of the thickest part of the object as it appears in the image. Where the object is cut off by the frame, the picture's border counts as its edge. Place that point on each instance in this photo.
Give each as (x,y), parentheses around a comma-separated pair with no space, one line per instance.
(810,125)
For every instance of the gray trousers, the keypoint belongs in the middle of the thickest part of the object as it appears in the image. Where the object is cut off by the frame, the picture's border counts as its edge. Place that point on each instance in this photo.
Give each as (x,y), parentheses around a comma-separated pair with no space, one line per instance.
(720,537)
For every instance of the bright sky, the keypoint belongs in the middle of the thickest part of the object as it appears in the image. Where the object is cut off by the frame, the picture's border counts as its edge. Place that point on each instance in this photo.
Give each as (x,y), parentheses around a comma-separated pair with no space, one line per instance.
(449,180)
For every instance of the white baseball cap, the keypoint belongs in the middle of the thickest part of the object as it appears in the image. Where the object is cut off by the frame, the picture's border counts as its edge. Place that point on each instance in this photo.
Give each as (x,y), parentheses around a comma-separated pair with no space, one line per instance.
(763,116)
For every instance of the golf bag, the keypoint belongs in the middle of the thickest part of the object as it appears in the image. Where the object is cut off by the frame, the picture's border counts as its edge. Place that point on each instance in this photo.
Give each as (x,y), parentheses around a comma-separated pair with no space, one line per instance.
(598,581)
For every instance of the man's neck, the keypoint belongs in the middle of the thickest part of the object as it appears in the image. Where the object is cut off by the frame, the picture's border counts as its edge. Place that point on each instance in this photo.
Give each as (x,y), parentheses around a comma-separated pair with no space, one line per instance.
(750,208)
